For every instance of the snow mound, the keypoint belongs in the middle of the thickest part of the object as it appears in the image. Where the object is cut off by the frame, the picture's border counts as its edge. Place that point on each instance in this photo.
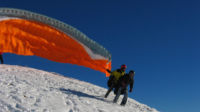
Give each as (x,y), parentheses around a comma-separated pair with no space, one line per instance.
(25,89)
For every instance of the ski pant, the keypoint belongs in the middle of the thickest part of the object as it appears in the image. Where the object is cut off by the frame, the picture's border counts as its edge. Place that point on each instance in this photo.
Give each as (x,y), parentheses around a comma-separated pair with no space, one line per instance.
(124,100)
(1,58)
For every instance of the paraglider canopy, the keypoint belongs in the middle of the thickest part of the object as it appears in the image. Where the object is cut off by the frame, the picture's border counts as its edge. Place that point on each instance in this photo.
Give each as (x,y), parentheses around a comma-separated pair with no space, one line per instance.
(27,33)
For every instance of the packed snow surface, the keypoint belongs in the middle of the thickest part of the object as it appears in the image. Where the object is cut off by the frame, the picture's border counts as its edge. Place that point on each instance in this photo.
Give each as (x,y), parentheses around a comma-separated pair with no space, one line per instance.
(25,89)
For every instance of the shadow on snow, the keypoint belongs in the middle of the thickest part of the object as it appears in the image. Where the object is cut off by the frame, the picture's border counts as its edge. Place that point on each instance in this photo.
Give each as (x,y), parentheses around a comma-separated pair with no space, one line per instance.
(81,94)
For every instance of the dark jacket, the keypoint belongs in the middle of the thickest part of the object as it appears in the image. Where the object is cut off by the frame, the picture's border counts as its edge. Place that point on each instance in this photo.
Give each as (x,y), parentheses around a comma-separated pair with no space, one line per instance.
(123,82)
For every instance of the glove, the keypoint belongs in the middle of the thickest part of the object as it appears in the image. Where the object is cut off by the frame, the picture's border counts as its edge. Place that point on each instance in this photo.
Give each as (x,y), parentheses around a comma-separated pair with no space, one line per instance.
(130,90)
(108,70)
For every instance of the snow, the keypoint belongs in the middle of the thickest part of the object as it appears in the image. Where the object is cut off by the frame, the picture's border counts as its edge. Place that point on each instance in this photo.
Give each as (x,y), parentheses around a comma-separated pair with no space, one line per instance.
(25,89)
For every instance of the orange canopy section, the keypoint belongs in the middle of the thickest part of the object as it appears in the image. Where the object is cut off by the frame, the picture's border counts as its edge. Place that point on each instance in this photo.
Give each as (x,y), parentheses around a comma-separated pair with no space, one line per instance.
(30,37)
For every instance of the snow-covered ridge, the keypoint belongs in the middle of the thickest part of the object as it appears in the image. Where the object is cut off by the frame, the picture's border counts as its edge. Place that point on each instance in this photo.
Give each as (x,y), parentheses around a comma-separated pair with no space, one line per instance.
(25,89)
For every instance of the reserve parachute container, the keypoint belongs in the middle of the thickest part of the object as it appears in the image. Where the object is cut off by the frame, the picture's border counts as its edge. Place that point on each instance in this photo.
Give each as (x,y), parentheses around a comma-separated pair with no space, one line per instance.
(27,33)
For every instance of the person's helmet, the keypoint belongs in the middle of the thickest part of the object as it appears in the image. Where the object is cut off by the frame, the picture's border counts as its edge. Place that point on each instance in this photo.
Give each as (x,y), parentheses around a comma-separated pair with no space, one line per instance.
(123,66)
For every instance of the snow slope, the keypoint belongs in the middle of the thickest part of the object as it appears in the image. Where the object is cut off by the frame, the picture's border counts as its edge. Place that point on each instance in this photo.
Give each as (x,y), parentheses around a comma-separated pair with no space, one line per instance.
(30,90)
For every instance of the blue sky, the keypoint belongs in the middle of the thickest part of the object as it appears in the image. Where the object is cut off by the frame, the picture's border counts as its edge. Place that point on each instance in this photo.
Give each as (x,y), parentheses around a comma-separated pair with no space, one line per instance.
(160,40)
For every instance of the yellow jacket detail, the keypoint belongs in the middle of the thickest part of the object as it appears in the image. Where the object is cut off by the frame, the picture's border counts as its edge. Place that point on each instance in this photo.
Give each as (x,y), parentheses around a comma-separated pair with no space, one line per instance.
(117,74)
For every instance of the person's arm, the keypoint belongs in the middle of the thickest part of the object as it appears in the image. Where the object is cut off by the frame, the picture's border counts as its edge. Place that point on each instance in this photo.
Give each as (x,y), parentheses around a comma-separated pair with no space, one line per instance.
(111,77)
(108,71)
(131,86)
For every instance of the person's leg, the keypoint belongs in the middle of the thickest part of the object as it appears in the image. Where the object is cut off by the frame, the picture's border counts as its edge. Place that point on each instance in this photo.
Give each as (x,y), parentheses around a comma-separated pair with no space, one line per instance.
(109,90)
(1,58)
(117,95)
(124,100)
